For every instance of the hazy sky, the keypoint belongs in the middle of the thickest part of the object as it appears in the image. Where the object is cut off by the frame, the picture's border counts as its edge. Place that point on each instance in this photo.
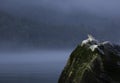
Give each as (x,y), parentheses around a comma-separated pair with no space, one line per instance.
(106,7)
(70,12)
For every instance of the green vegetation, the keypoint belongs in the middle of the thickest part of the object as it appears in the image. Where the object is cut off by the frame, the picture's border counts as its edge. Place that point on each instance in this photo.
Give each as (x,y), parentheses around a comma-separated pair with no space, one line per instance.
(79,62)
(87,66)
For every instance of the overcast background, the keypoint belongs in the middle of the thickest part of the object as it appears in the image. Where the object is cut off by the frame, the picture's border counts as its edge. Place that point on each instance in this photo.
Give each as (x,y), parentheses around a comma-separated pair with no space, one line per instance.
(46,23)
(37,33)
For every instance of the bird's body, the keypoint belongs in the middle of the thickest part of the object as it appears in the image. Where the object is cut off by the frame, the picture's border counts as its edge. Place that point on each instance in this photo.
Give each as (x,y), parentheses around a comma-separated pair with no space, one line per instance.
(90,41)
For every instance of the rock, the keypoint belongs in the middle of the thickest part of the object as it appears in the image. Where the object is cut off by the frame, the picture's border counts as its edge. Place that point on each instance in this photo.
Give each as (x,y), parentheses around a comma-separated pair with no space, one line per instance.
(93,62)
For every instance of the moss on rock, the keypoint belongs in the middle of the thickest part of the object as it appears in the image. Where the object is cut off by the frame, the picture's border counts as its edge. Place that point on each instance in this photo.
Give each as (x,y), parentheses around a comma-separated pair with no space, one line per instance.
(88,66)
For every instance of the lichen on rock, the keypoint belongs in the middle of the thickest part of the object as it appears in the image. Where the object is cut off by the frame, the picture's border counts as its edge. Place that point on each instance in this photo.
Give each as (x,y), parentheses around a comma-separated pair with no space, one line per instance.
(93,62)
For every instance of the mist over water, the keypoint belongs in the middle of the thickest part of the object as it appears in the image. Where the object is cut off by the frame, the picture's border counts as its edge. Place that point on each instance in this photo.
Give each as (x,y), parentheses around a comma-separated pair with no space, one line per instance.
(37,36)
(32,67)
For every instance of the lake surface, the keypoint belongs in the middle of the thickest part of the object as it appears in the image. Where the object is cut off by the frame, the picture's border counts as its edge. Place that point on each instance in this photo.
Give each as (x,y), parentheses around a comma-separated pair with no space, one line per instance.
(40,66)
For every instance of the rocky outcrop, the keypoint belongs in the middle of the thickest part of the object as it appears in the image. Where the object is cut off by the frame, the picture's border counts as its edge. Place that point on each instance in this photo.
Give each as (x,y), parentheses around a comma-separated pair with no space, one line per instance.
(93,62)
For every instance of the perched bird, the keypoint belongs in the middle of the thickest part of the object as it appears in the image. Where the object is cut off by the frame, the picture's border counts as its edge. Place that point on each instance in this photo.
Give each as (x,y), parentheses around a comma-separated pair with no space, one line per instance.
(90,41)
(96,47)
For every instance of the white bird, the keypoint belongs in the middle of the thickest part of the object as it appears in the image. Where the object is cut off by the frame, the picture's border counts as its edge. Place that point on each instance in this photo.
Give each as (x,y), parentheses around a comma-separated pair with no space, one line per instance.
(90,41)
(95,47)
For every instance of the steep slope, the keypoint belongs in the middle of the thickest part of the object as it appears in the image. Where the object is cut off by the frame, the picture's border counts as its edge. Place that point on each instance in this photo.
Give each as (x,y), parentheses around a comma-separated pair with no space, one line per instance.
(93,62)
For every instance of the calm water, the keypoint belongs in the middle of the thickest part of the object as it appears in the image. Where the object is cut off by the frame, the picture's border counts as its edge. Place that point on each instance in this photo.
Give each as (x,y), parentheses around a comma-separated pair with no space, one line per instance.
(41,66)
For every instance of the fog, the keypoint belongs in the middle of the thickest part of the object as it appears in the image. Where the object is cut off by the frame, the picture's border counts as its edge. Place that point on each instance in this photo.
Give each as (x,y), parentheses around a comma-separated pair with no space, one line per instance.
(37,36)
(59,20)
(33,66)
(100,7)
